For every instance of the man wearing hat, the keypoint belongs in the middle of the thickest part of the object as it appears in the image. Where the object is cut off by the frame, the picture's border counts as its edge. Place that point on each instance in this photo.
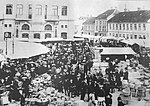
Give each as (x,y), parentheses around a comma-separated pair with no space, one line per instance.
(99,91)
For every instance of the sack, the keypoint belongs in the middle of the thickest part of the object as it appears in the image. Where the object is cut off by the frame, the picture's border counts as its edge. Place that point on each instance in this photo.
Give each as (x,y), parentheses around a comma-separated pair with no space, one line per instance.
(86,97)
(5,100)
(91,96)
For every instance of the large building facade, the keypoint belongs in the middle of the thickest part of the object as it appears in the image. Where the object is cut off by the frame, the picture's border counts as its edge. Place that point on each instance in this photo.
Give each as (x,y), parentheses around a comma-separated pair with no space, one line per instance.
(101,28)
(98,25)
(89,26)
(36,19)
(130,25)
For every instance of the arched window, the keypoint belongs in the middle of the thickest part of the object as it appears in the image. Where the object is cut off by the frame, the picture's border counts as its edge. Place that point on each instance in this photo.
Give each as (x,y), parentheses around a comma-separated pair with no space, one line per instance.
(64,35)
(37,36)
(47,35)
(48,27)
(25,27)
(25,35)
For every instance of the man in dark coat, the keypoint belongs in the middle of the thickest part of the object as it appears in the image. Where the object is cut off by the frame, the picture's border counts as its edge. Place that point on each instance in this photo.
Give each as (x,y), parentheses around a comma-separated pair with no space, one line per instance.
(120,103)
(126,74)
(108,100)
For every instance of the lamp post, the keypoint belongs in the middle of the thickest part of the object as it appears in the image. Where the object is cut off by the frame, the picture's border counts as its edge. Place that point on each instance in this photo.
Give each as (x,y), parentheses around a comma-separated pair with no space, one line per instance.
(56,24)
(6,35)
(13,45)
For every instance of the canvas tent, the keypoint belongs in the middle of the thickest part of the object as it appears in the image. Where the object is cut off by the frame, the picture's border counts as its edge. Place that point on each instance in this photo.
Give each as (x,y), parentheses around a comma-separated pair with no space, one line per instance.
(23,49)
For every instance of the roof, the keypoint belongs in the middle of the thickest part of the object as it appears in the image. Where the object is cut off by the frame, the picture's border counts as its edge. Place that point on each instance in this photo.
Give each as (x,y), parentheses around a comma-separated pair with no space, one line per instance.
(23,49)
(90,21)
(140,42)
(117,51)
(105,14)
(131,16)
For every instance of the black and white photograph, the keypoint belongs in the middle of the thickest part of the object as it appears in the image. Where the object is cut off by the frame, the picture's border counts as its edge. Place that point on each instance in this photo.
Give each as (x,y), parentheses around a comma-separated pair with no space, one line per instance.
(74,52)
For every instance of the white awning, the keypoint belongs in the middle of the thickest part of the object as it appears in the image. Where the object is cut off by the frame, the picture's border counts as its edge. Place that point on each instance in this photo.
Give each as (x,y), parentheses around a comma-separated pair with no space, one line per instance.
(23,49)
(116,50)
(140,42)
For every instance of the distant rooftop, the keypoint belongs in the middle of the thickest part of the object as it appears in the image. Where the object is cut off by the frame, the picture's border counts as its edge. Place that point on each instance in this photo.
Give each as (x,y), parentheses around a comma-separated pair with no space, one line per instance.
(131,16)
(90,21)
(106,14)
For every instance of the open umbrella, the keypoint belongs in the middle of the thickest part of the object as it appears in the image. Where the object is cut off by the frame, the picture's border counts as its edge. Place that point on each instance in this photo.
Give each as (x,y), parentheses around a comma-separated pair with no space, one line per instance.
(18,49)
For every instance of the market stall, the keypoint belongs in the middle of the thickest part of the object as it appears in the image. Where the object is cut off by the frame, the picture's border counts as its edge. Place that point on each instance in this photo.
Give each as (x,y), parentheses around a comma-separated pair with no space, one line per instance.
(16,49)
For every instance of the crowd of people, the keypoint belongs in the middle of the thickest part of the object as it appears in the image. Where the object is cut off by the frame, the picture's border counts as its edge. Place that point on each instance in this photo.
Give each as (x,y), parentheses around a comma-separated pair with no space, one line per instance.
(70,67)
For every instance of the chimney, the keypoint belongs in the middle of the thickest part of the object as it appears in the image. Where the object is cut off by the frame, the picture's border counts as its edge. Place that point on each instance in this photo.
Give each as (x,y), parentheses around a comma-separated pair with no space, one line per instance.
(125,9)
(138,8)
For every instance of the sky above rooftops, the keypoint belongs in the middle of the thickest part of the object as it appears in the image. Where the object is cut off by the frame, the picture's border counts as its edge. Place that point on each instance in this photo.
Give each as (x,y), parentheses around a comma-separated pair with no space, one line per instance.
(84,8)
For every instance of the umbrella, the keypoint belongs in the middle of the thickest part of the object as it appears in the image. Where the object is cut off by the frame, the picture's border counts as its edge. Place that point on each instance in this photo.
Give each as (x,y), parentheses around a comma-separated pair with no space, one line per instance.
(23,49)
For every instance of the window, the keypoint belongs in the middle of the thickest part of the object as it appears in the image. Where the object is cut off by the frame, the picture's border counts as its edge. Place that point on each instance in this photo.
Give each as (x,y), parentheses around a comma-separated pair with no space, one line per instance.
(5,25)
(100,22)
(64,10)
(62,26)
(140,37)
(30,11)
(25,27)
(55,10)
(116,26)
(25,35)
(123,26)
(116,35)
(38,10)
(130,26)
(99,28)
(37,36)
(64,35)
(123,35)
(144,27)
(110,26)
(113,26)
(144,37)
(135,27)
(19,9)
(113,34)
(96,28)
(10,25)
(45,11)
(119,35)
(47,35)
(48,27)
(127,36)
(65,26)
(9,9)
(139,26)
(135,36)
(127,26)
(131,37)
(120,26)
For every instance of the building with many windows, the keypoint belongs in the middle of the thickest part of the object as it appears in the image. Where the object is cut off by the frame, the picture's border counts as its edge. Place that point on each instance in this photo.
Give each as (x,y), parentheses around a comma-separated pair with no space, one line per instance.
(36,19)
(98,25)
(88,26)
(130,25)
(101,22)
